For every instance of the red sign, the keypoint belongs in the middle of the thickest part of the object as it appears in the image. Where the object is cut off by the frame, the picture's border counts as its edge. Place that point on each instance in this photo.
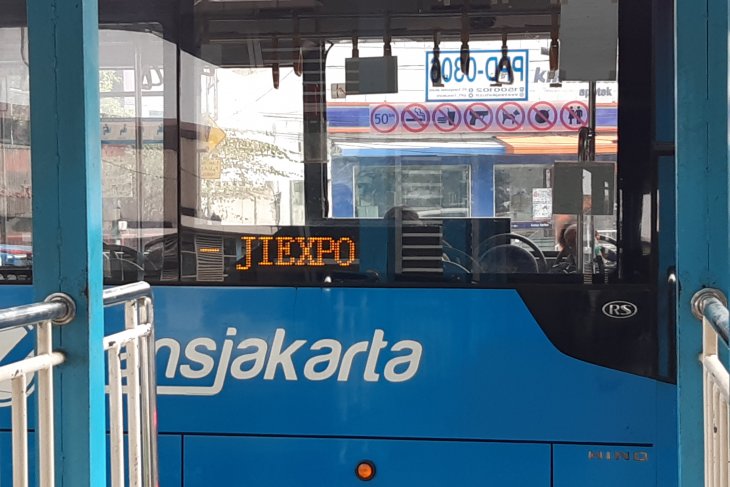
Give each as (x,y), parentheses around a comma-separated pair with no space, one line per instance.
(574,115)
(415,117)
(446,117)
(542,115)
(478,117)
(384,118)
(510,116)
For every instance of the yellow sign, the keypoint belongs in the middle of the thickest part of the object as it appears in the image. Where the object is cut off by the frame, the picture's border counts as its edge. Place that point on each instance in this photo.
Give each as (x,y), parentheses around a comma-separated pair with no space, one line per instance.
(216,135)
(210,168)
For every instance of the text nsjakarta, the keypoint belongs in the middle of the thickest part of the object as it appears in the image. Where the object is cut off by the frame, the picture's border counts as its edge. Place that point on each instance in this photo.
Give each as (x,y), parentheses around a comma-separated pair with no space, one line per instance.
(324,359)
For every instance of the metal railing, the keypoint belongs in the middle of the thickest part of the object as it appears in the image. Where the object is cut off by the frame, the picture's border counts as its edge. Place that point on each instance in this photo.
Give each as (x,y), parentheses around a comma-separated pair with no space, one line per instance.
(136,347)
(57,309)
(710,306)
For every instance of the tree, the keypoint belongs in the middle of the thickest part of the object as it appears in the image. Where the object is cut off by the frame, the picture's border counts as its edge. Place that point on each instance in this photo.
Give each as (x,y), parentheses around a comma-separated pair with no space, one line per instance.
(249,171)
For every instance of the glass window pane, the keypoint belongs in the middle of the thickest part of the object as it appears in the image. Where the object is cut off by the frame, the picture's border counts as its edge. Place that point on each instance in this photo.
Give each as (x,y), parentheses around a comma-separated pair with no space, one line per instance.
(15,180)
(242,156)
(139,174)
(294,131)
(473,149)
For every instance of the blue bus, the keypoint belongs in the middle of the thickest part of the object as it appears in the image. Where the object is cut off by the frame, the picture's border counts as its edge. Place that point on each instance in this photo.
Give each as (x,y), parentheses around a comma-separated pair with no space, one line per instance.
(377,252)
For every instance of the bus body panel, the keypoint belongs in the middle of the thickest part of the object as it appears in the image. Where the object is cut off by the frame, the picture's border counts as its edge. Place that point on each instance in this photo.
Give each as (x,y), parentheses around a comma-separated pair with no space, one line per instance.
(170,458)
(604,465)
(485,370)
(316,462)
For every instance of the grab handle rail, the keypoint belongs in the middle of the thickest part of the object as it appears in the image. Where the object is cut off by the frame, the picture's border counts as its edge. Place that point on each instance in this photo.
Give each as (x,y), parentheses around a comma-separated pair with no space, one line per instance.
(710,306)
(136,347)
(57,309)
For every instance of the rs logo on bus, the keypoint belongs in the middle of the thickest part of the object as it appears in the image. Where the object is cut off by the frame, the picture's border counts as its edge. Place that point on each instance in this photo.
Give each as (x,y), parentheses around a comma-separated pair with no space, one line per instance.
(620,309)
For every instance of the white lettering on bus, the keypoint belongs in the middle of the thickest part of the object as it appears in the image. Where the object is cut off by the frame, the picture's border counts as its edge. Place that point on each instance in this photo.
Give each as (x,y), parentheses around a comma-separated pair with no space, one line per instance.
(254,357)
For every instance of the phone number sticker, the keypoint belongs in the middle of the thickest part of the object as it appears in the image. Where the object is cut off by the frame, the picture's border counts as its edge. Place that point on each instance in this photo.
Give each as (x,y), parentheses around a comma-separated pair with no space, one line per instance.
(480,82)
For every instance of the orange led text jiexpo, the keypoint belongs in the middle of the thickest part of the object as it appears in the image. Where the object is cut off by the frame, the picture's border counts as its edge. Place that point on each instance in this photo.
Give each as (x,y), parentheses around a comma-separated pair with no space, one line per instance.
(298,251)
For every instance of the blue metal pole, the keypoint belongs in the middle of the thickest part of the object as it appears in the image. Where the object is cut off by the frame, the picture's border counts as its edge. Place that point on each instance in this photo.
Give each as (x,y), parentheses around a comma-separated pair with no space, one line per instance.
(701,74)
(66,169)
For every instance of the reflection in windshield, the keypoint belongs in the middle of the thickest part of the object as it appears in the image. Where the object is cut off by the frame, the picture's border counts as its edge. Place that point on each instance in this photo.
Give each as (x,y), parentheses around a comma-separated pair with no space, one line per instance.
(265,144)
(15,183)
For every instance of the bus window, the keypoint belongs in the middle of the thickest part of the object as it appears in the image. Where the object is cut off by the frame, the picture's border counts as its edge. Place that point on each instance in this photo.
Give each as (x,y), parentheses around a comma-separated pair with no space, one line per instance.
(327,157)
(385,153)
(139,163)
(478,150)
(139,188)
(243,161)
(430,190)
(15,184)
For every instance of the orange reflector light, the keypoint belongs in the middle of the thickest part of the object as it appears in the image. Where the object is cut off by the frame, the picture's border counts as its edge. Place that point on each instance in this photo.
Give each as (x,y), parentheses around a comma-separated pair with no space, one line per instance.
(365,470)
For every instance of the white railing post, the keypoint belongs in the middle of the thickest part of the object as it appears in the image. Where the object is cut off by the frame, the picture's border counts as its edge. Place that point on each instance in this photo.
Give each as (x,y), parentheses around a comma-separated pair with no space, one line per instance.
(46,430)
(710,306)
(149,397)
(136,344)
(116,420)
(134,435)
(57,309)
(20,430)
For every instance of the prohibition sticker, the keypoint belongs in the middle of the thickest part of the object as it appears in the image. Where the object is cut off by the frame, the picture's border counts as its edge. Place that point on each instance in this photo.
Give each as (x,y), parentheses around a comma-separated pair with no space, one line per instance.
(574,115)
(542,115)
(384,118)
(446,117)
(415,117)
(510,116)
(478,117)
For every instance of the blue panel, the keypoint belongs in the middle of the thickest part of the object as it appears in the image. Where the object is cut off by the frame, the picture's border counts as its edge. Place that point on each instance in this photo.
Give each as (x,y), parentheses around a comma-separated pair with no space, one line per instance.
(170,447)
(666,441)
(701,200)
(6,454)
(469,384)
(267,462)
(170,460)
(470,342)
(482,166)
(67,219)
(606,116)
(359,116)
(422,151)
(342,188)
(346,116)
(603,466)
(482,193)
(467,356)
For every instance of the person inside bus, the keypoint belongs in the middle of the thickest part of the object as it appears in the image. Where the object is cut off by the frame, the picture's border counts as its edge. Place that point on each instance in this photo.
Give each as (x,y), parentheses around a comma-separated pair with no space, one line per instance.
(566,262)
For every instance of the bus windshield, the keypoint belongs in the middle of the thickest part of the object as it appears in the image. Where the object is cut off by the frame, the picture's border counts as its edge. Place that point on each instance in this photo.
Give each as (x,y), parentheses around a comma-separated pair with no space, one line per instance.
(378,160)
(370,150)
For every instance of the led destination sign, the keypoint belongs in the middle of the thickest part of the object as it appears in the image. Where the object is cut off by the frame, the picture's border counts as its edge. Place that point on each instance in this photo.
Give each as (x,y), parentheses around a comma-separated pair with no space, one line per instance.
(261,251)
